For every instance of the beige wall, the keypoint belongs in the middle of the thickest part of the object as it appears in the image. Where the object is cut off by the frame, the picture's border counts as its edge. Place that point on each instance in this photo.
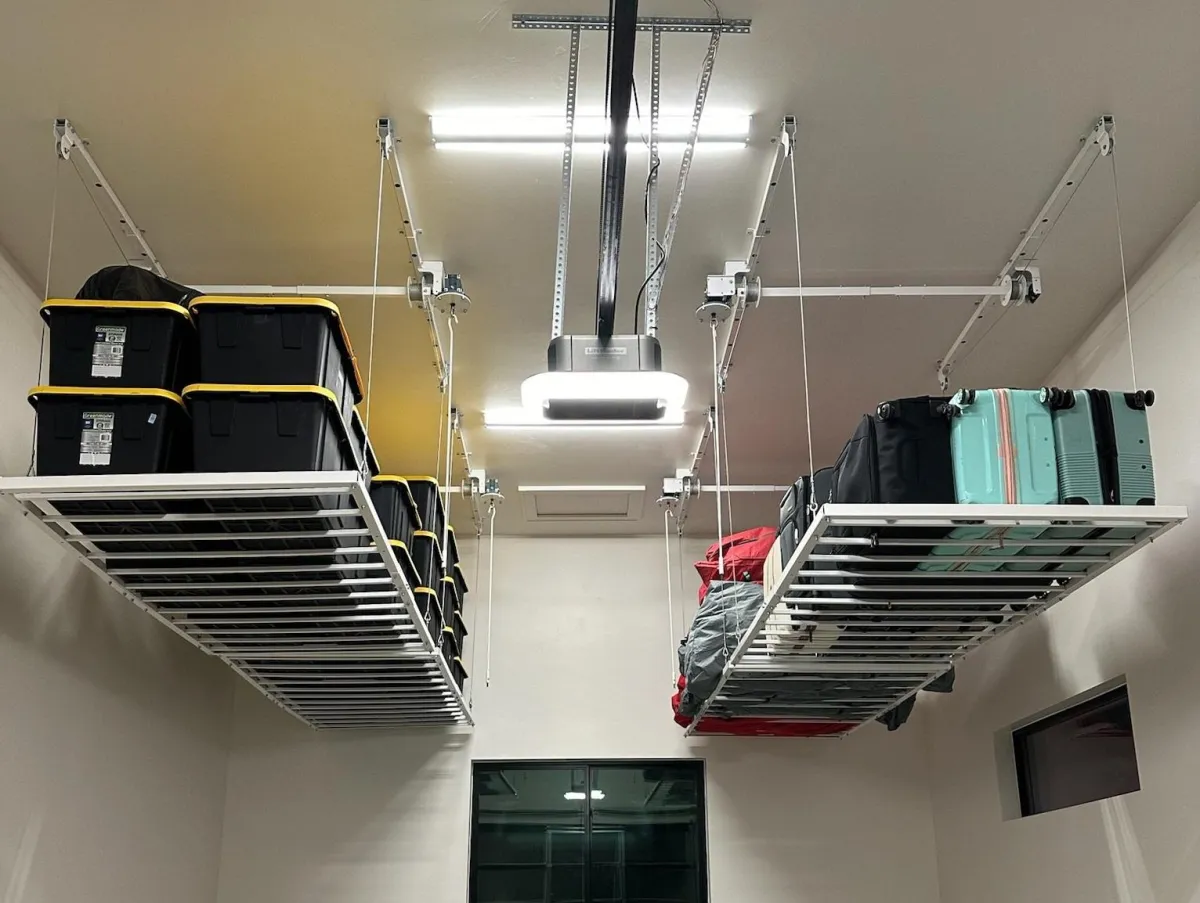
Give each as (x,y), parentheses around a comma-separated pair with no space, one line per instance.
(580,668)
(113,731)
(1141,621)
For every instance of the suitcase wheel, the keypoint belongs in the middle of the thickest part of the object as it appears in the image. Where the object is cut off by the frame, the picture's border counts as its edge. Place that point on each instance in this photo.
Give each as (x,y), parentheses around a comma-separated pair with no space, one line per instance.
(1139,400)
(885,411)
(1057,399)
(962,399)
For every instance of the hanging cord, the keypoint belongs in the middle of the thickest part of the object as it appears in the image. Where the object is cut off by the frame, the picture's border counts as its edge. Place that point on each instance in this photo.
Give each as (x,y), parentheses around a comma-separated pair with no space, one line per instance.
(475,608)
(374,291)
(491,567)
(1124,275)
(812,504)
(683,622)
(449,443)
(670,598)
(725,454)
(437,467)
(45,297)
(716,412)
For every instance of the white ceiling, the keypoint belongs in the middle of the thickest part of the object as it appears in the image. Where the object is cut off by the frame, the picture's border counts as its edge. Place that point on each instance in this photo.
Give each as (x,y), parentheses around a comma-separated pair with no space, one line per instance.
(241,137)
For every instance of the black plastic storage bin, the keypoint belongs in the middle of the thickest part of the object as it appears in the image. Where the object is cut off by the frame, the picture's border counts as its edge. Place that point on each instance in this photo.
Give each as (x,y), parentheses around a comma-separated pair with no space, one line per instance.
(267,429)
(126,344)
(456,624)
(450,651)
(452,559)
(85,430)
(459,670)
(429,503)
(428,604)
(368,464)
(460,581)
(427,555)
(448,596)
(395,506)
(280,341)
(404,557)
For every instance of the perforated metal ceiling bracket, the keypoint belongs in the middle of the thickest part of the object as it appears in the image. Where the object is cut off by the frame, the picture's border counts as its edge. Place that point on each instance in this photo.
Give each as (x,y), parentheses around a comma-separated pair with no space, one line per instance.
(131,240)
(564,199)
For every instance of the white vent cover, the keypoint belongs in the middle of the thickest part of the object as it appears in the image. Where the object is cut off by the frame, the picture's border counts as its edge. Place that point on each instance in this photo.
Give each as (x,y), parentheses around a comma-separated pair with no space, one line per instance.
(582,504)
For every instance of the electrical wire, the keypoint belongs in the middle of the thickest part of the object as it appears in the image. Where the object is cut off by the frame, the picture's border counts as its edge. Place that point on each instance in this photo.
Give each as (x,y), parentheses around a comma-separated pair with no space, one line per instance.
(725,454)
(374,289)
(812,506)
(637,306)
(1124,274)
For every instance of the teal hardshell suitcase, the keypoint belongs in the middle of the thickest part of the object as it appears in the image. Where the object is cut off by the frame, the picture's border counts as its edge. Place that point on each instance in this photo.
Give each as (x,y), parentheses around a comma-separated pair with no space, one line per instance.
(1102,441)
(1002,447)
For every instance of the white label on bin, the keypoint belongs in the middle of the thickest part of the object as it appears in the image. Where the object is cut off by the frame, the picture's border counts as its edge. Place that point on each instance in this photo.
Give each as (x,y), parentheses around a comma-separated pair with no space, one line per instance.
(96,439)
(108,351)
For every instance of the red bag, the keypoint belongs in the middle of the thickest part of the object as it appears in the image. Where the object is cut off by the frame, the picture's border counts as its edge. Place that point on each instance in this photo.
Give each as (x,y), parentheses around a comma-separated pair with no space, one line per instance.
(745,555)
(757,727)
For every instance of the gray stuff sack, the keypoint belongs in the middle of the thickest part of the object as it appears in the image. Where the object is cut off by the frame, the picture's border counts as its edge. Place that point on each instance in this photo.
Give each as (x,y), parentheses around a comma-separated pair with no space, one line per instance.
(719,625)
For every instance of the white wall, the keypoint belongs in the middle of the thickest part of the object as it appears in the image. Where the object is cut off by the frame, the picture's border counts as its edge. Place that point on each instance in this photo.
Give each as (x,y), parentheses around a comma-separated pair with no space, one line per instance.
(113,731)
(1142,620)
(580,668)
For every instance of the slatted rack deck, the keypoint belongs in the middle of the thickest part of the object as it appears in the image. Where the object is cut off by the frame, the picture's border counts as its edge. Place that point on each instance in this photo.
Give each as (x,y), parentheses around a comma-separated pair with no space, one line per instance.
(288,578)
(866,614)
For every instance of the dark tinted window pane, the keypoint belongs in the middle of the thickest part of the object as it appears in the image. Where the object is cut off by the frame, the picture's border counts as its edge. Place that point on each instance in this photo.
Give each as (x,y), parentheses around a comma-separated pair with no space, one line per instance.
(619,833)
(528,836)
(1083,754)
(650,820)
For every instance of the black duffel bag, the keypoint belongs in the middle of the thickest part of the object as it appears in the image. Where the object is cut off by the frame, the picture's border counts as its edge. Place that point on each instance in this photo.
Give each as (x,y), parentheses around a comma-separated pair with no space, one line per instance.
(130,283)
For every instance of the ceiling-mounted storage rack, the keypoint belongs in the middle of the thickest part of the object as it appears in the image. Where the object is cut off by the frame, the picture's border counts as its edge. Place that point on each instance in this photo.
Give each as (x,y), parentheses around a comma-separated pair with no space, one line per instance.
(286,577)
(854,628)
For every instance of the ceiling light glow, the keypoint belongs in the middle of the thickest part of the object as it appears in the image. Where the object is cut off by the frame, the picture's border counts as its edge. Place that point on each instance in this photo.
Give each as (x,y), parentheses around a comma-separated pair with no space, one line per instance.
(668,389)
(580,795)
(524,126)
(526,419)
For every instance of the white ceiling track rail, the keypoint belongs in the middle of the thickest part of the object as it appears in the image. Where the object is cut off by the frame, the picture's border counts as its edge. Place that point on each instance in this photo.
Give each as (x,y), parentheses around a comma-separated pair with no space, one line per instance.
(858,622)
(287,578)
(131,240)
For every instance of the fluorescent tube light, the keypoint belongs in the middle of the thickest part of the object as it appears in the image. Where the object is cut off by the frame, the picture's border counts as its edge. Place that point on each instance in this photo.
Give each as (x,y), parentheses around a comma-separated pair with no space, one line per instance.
(554,148)
(583,488)
(532,126)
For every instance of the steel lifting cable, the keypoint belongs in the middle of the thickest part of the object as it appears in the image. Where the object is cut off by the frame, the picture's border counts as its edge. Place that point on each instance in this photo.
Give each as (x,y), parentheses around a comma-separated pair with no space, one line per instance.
(475,608)
(45,297)
(1124,276)
(679,562)
(487,680)
(812,502)
(451,320)
(670,598)
(374,290)
(725,454)
(716,416)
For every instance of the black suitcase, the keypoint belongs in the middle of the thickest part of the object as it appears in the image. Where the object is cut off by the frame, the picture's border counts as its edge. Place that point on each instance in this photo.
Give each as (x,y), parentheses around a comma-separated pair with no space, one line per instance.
(130,283)
(900,455)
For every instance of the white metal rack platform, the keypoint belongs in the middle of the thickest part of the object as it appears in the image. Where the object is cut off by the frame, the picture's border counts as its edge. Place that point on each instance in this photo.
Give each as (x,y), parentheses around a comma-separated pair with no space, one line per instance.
(854,627)
(287,577)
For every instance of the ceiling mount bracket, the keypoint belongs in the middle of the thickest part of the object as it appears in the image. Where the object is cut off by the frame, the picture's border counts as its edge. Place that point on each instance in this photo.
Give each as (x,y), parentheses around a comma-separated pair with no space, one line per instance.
(1098,142)
(131,241)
